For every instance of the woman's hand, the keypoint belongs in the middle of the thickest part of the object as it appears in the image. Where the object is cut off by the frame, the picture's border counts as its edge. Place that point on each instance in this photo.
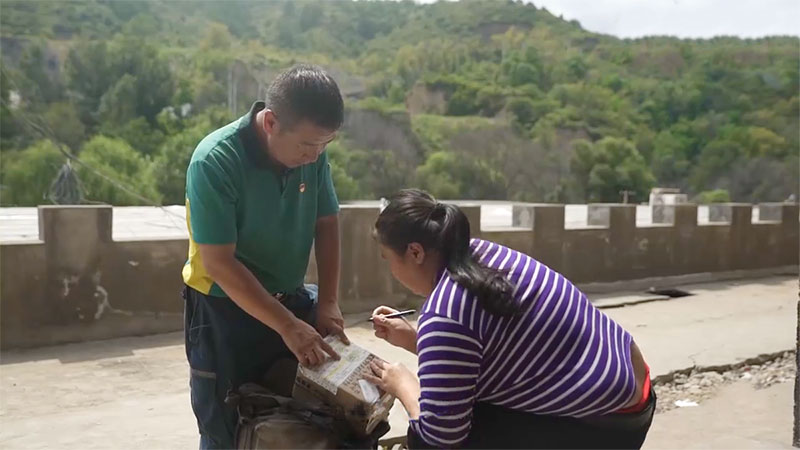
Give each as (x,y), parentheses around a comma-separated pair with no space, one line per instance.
(396,331)
(397,380)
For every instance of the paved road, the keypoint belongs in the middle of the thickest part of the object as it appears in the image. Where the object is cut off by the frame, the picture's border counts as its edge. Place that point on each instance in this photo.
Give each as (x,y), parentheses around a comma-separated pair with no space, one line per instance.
(133,392)
(738,417)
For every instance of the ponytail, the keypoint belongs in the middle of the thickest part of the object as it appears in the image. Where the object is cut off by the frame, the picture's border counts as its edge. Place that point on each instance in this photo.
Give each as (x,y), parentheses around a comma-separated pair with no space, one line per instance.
(414,216)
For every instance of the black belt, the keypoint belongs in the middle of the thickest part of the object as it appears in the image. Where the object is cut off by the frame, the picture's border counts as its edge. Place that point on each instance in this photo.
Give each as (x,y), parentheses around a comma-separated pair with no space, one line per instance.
(283,296)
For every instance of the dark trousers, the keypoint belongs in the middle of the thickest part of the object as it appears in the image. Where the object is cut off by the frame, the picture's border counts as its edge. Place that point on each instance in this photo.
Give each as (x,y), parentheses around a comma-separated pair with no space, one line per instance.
(495,427)
(227,347)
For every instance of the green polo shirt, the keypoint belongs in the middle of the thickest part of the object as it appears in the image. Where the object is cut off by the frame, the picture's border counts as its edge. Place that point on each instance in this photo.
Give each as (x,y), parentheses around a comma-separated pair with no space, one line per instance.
(234,194)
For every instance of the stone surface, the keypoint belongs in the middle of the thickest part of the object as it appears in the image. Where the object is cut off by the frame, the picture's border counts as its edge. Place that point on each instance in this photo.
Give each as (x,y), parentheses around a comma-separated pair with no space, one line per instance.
(739,416)
(698,387)
(133,392)
(722,323)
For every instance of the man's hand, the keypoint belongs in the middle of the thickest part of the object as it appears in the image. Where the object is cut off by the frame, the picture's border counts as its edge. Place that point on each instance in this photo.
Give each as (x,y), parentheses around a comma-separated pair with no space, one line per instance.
(396,331)
(330,320)
(247,292)
(306,344)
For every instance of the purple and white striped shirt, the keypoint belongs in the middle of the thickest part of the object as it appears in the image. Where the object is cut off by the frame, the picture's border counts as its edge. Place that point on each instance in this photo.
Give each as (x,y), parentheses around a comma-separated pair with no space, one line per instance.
(560,356)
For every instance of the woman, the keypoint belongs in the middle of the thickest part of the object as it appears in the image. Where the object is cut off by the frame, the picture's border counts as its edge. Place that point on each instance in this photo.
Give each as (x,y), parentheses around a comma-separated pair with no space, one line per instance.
(511,354)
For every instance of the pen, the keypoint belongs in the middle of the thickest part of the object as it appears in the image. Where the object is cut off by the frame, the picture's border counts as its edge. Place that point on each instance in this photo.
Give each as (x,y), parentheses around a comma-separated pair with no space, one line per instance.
(397,314)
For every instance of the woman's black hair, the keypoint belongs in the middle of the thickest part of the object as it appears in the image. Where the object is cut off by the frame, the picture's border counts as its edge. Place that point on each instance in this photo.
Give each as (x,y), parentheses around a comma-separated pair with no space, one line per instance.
(413,215)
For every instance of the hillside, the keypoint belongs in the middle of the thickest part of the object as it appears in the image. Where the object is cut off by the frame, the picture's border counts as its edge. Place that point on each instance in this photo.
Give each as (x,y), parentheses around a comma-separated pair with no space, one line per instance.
(479,99)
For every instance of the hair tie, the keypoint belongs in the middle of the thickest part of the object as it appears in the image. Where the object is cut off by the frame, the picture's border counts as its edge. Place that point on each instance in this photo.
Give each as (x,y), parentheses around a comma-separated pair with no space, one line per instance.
(429,216)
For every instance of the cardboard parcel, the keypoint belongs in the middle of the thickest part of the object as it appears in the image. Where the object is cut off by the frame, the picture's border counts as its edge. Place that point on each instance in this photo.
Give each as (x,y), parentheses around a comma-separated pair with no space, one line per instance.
(342,386)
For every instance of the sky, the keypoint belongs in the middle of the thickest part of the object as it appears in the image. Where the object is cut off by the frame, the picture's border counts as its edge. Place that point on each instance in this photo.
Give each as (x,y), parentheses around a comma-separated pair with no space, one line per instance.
(681,18)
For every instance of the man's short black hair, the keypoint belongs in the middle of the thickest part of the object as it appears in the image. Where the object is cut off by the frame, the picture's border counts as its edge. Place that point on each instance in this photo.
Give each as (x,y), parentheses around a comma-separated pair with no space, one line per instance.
(306,92)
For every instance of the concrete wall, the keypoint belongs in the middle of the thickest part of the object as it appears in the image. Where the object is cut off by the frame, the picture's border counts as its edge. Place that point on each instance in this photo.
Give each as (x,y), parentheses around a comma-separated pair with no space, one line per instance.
(611,248)
(76,283)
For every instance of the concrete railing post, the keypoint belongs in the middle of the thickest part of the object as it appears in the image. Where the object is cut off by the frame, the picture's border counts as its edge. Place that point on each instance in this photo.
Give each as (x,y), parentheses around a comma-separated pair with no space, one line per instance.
(685,218)
(684,229)
(741,218)
(473,213)
(547,224)
(620,219)
(789,214)
(74,238)
(365,277)
(790,232)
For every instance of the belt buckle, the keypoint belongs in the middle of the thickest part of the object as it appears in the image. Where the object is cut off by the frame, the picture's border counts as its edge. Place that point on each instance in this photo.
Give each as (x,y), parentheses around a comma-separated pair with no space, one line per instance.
(280,296)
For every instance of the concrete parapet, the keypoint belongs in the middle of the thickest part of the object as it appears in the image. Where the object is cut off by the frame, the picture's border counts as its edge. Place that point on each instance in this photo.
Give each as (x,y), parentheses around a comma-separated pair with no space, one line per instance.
(77,283)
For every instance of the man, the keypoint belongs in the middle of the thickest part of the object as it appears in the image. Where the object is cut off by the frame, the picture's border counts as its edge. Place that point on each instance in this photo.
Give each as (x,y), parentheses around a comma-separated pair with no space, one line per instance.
(258,193)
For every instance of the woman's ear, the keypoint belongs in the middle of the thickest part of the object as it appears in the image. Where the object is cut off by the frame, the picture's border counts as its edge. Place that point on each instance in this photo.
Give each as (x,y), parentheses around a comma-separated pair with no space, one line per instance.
(417,252)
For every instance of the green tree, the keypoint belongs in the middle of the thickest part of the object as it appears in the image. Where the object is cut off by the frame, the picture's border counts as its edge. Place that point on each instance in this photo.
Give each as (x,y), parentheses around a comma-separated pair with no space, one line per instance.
(668,102)
(217,38)
(713,196)
(524,110)
(238,17)
(171,163)
(119,81)
(310,15)
(63,120)
(448,176)
(154,82)
(523,73)
(27,175)
(670,161)
(127,10)
(141,25)
(118,104)
(609,166)
(469,99)
(119,175)
(89,75)
(761,179)
(8,124)
(760,141)
(287,35)
(577,68)
(717,157)
(207,92)
(679,101)
(438,177)
(346,187)
(40,83)
(138,133)
(378,173)
(172,160)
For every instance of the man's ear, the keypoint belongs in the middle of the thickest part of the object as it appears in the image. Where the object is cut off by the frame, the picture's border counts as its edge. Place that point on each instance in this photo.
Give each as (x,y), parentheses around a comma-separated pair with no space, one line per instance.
(417,252)
(271,124)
